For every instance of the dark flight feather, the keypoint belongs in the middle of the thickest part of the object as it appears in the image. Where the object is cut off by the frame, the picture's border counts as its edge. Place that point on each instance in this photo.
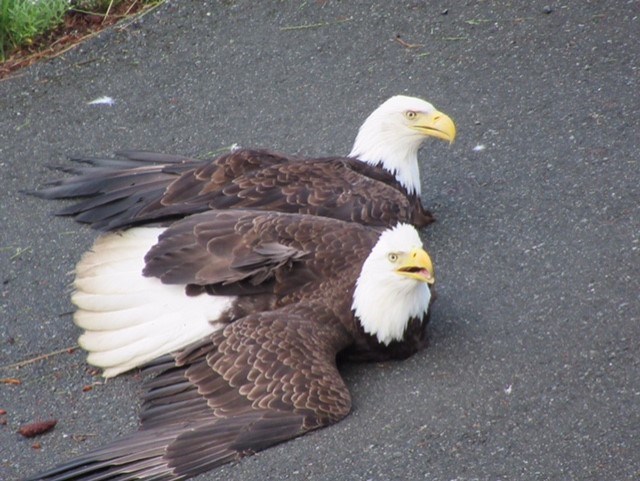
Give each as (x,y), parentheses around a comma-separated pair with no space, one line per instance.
(155,188)
(262,380)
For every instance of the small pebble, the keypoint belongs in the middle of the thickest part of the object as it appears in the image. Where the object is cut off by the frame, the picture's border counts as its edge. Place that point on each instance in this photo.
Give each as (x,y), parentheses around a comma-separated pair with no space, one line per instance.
(547,9)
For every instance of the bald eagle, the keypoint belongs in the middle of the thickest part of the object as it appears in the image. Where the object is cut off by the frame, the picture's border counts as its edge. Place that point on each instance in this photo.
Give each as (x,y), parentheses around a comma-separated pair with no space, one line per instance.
(148,291)
(378,183)
(301,290)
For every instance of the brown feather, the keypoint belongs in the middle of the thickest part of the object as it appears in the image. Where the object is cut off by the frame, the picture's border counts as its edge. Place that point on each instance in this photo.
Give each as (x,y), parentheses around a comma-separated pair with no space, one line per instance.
(263,380)
(140,191)
(231,251)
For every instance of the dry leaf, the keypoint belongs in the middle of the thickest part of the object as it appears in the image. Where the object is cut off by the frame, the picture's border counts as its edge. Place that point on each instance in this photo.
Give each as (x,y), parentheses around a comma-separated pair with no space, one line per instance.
(39,427)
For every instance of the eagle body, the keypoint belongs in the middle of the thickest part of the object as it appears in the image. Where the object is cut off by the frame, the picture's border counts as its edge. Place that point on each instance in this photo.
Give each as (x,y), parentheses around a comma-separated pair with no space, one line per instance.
(240,281)
(146,292)
(268,372)
(377,184)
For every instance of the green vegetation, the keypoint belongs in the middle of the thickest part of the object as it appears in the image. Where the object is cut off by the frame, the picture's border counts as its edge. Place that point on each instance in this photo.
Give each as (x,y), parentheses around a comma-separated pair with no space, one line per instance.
(23,21)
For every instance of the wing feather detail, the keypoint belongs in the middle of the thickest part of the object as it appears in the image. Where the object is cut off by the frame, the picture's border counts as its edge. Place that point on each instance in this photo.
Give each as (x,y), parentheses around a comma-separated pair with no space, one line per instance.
(145,187)
(228,251)
(263,380)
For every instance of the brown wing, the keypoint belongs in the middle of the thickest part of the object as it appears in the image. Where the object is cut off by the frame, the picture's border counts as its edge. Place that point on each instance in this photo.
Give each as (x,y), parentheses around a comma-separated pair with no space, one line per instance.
(325,187)
(341,188)
(238,252)
(263,380)
(133,188)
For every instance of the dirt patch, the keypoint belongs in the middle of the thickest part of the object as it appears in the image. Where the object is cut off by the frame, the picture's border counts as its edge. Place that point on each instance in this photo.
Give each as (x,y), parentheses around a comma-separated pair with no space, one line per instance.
(76,28)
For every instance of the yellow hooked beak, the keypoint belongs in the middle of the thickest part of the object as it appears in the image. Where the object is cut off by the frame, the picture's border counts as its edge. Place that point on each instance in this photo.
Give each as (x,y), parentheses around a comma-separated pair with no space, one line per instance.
(416,265)
(436,124)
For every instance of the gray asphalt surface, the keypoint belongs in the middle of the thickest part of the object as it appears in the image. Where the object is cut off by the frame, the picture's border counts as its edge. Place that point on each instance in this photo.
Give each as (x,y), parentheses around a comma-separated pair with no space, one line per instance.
(533,368)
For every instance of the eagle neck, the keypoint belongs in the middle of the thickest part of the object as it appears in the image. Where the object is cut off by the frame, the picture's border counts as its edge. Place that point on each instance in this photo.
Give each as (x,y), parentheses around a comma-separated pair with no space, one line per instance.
(398,156)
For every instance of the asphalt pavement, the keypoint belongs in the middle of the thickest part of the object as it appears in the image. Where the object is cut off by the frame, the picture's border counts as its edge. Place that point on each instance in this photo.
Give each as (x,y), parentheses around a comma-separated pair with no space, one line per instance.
(533,368)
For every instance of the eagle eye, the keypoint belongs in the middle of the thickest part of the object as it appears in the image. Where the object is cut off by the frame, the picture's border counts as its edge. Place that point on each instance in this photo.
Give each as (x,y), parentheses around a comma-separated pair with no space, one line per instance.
(393,257)
(410,114)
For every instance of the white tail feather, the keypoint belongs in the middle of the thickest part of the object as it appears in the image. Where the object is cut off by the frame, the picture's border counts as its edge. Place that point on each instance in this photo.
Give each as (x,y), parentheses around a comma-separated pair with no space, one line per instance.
(95,321)
(130,319)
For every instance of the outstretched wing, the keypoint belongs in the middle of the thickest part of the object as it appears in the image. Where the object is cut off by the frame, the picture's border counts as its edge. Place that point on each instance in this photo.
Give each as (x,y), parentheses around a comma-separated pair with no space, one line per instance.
(263,380)
(138,191)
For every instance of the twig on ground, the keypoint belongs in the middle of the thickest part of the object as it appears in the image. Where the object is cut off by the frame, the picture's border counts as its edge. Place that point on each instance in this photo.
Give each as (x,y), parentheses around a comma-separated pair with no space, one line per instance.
(40,357)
